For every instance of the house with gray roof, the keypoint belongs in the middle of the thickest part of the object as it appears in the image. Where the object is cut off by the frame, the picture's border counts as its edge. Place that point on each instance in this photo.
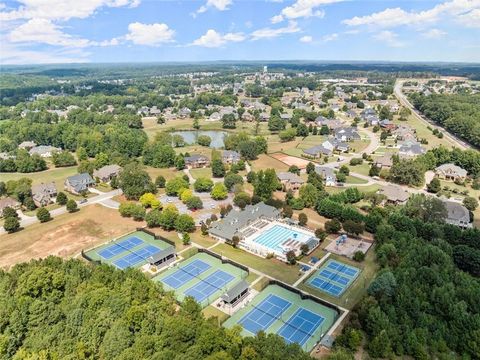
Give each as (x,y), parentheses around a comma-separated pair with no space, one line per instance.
(44,194)
(327,174)
(196,161)
(107,173)
(290,181)
(79,183)
(230,157)
(27,145)
(236,220)
(346,134)
(44,151)
(411,149)
(457,214)
(451,172)
(8,202)
(394,194)
(236,294)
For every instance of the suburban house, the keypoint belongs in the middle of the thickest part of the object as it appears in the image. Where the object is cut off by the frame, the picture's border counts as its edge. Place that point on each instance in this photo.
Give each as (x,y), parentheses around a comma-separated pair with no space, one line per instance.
(8,202)
(332,124)
(372,120)
(44,194)
(216,116)
(326,148)
(387,125)
(327,174)
(196,161)
(78,184)
(384,162)
(285,116)
(451,172)
(367,112)
(346,134)
(290,180)
(27,145)
(404,133)
(44,151)
(106,173)
(411,149)
(457,214)
(230,157)
(184,112)
(236,220)
(395,194)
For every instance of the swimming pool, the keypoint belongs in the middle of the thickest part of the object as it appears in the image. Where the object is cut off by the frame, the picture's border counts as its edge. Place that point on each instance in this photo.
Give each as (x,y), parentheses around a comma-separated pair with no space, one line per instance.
(277,235)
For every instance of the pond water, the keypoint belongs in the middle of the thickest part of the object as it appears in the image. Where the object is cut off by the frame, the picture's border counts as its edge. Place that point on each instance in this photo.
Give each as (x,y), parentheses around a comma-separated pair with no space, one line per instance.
(191,136)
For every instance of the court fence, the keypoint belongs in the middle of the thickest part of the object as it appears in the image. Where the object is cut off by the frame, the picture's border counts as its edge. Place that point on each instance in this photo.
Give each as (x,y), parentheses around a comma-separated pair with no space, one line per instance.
(223,260)
(305,296)
(88,258)
(155,236)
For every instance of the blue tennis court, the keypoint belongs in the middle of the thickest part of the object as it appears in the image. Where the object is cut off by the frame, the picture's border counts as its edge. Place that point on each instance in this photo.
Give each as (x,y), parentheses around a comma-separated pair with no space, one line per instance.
(136,257)
(301,326)
(186,273)
(119,247)
(264,314)
(206,287)
(334,278)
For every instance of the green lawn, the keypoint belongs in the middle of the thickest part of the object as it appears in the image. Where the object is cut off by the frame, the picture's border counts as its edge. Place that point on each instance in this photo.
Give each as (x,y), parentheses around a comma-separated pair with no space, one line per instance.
(212,312)
(58,175)
(362,169)
(267,162)
(272,267)
(201,173)
(355,180)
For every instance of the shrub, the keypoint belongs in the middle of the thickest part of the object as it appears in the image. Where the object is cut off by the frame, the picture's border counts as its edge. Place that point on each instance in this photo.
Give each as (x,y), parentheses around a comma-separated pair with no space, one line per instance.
(71,205)
(358,256)
(61,198)
(333,226)
(11,224)
(43,215)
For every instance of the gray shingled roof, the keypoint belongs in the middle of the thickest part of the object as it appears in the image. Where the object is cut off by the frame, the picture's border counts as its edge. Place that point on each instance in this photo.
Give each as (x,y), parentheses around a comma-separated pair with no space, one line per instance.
(235,291)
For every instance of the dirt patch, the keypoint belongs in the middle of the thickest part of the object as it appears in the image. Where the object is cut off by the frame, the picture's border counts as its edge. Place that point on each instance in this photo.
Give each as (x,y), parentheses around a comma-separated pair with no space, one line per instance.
(64,236)
(291,160)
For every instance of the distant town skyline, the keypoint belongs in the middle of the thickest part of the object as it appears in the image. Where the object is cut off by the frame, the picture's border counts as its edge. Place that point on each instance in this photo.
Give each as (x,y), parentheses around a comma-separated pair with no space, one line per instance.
(105,31)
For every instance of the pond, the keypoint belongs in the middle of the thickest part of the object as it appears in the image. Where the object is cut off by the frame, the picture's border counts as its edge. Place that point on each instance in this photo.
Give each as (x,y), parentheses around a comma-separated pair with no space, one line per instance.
(191,136)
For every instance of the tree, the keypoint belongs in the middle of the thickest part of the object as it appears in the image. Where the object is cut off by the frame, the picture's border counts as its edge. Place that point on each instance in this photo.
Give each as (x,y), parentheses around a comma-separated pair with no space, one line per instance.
(218,168)
(185,238)
(135,181)
(275,123)
(9,212)
(232,179)
(302,219)
(287,212)
(11,224)
(159,155)
(180,162)
(291,257)
(333,226)
(304,249)
(434,186)
(61,198)
(302,130)
(63,158)
(203,185)
(235,241)
(168,217)
(309,195)
(149,200)
(320,234)
(152,218)
(204,140)
(43,215)
(242,199)
(160,182)
(184,223)
(175,185)
(266,182)
(470,203)
(287,135)
(294,169)
(229,121)
(359,256)
(407,172)
(71,205)
(194,203)
(219,192)
(353,227)
(374,171)
(310,168)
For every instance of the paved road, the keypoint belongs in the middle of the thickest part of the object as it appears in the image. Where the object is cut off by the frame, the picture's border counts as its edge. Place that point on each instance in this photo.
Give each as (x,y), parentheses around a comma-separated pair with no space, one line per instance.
(454,140)
(103,199)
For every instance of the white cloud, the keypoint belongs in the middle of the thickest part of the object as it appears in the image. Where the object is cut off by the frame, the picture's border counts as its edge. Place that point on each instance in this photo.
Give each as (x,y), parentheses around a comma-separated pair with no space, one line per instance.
(470,19)
(302,9)
(220,5)
(306,39)
(213,39)
(393,17)
(61,10)
(44,32)
(434,34)
(267,33)
(14,55)
(389,38)
(330,37)
(149,34)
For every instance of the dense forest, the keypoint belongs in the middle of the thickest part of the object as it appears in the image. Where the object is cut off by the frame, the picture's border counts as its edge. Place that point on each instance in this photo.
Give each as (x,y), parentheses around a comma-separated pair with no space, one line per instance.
(458,113)
(52,309)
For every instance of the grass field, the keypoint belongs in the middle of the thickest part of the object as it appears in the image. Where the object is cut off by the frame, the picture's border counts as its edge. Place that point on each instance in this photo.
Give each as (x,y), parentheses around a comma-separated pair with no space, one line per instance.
(168,173)
(362,169)
(58,175)
(64,236)
(272,267)
(212,312)
(201,173)
(267,162)
(355,180)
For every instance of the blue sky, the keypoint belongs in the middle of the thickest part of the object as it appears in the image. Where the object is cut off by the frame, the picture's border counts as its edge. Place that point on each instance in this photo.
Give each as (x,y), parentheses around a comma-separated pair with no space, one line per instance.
(57,31)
